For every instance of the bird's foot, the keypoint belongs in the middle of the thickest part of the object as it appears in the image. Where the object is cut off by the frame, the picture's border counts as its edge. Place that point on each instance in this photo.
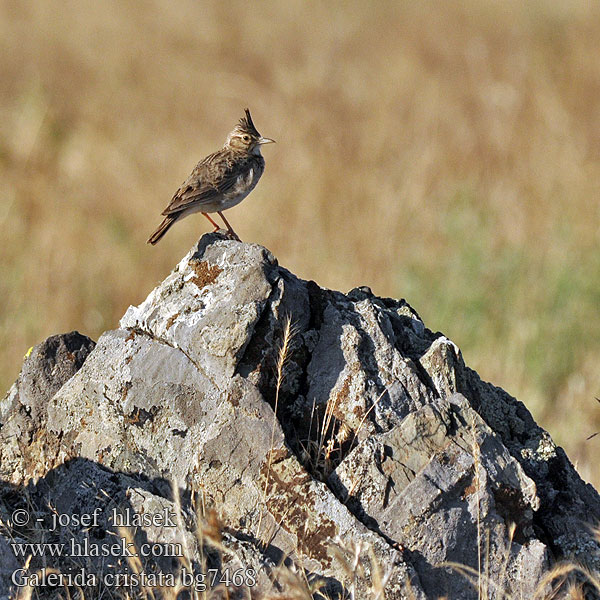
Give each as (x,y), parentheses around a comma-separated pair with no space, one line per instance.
(230,233)
(233,235)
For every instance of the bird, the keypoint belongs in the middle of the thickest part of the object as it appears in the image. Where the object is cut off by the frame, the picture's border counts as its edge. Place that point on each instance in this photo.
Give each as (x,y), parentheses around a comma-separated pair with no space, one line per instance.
(219,181)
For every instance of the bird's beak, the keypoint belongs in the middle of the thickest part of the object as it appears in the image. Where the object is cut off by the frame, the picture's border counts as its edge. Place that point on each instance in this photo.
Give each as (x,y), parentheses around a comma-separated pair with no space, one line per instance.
(264,140)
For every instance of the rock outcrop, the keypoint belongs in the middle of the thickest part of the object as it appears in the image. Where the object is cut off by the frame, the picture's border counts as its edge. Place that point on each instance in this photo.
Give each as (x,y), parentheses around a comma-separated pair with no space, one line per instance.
(253,429)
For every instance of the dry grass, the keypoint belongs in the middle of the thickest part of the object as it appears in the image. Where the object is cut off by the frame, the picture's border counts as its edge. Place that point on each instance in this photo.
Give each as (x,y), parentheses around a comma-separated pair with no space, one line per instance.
(358,561)
(444,152)
(282,358)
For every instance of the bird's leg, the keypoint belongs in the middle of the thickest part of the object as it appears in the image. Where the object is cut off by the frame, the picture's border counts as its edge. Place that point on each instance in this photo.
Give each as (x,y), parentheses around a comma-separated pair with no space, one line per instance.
(217,227)
(230,230)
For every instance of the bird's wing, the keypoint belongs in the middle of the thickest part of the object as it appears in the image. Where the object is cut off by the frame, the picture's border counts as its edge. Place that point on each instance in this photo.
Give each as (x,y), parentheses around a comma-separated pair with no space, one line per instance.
(211,177)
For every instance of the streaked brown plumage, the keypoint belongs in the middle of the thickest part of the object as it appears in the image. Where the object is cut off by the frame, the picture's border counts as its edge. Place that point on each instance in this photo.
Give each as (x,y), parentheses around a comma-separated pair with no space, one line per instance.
(219,181)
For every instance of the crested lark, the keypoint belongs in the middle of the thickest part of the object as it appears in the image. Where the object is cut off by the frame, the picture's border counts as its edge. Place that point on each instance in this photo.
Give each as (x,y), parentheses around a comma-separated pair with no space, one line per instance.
(221,180)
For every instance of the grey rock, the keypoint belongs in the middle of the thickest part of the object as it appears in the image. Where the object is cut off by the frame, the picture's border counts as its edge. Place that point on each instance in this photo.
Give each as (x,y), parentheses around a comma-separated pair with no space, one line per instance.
(443,469)
(374,449)
(23,410)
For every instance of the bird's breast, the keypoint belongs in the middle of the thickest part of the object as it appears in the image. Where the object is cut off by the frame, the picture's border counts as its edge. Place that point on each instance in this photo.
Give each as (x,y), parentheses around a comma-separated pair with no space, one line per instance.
(245,182)
(249,178)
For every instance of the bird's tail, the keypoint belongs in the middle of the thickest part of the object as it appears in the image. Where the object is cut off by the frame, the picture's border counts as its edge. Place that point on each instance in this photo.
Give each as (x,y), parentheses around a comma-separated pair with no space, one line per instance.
(162,228)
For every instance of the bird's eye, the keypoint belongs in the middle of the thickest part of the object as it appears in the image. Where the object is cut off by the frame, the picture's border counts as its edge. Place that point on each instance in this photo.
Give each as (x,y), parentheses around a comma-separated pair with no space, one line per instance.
(246,138)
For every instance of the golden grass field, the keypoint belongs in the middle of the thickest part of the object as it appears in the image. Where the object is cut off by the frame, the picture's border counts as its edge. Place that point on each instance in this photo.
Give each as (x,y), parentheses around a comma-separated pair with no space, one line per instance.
(444,152)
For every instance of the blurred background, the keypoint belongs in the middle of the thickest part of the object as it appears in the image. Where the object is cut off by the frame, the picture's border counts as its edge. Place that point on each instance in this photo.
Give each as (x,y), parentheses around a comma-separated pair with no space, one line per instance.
(443,152)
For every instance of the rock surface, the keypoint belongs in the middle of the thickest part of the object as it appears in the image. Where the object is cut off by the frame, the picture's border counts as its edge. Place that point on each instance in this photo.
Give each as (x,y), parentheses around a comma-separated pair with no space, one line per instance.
(368,459)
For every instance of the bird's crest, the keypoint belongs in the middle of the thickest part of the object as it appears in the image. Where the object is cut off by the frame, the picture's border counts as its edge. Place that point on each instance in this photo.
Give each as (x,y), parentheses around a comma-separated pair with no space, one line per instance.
(246,124)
